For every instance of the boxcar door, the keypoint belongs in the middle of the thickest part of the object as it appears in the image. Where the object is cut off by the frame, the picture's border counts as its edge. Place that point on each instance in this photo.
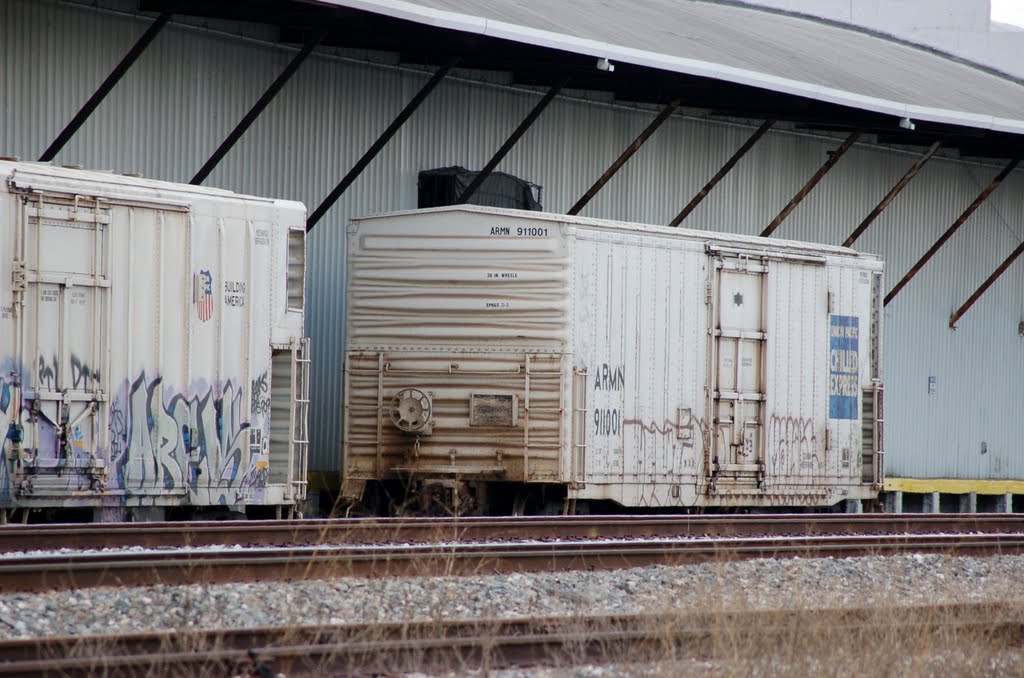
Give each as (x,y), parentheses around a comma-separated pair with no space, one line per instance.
(737,372)
(65,331)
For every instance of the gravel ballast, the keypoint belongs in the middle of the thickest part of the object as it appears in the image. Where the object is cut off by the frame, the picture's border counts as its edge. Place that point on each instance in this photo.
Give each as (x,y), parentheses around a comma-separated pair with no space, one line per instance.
(752,584)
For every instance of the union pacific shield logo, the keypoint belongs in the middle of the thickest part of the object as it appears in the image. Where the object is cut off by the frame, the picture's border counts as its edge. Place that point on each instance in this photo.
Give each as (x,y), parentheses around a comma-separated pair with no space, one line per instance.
(202,294)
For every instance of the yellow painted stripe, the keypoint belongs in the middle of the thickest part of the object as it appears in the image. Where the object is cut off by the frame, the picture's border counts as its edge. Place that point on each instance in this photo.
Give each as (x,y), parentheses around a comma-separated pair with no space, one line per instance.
(953,486)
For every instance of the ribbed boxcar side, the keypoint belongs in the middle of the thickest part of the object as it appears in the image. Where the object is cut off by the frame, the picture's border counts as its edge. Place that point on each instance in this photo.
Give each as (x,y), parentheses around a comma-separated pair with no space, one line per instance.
(709,367)
(153,351)
(474,316)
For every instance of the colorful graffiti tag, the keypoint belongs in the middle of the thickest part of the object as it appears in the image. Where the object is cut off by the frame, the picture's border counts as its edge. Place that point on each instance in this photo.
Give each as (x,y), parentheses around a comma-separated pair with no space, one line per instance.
(200,443)
(168,440)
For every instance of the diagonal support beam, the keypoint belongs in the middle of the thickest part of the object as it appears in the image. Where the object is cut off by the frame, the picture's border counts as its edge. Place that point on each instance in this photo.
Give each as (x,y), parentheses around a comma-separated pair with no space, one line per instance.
(726,168)
(985,193)
(104,89)
(378,145)
(249,118)
(900,185)
(833,158)
(985,285)
(511,141)
(625,156)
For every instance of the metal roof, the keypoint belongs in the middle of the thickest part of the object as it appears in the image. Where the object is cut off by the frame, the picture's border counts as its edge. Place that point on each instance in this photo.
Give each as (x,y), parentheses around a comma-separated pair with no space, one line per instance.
(740,44)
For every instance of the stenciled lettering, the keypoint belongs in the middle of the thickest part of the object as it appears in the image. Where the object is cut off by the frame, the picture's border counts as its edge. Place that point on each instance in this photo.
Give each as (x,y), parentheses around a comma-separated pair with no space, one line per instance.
(608,378)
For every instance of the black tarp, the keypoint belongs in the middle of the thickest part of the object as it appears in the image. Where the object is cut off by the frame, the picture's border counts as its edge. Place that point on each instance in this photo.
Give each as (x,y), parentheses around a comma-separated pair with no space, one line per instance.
(443,186)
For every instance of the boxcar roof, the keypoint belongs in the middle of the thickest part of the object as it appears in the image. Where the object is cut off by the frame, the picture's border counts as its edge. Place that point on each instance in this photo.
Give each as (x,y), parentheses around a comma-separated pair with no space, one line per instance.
(722,239)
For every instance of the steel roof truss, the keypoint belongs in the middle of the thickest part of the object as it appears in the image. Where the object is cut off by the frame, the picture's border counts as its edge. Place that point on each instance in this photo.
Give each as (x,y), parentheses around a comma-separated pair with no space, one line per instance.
(726,168)
(985,193)
(833,158)
(249,118)
(985,285)
(511,141)
(379,144)
(891,195)
(104,89)
(624,157)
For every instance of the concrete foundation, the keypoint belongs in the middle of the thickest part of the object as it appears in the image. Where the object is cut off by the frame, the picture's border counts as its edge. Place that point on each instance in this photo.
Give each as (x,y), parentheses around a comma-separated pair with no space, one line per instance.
(969,502)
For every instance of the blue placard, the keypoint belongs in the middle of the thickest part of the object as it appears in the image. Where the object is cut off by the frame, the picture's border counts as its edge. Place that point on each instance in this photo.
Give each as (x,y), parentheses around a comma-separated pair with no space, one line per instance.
(844,367)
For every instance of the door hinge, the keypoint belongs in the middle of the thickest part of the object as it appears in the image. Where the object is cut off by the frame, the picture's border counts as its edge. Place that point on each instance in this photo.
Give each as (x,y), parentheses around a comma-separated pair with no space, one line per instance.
(19,277)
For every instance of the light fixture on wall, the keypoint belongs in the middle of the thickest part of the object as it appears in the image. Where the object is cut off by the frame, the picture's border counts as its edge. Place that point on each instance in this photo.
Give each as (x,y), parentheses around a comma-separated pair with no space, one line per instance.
(907,123)
(604,65)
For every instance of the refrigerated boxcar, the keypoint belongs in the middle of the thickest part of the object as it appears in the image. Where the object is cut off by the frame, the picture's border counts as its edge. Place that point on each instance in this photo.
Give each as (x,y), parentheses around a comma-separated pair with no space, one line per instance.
(499,356)
(151,345)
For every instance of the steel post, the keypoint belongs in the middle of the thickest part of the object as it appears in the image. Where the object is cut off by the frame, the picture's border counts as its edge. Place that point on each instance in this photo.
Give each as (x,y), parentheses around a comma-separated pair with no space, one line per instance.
(893,192)
(482,175)
(833,158)
(104,89)
(726,168)
(378,145)
(625,156)
(916,268)
(249,118)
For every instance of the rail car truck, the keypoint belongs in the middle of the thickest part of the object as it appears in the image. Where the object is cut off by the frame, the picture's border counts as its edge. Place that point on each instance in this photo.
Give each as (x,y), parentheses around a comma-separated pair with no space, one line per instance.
(152,352)
(499,358)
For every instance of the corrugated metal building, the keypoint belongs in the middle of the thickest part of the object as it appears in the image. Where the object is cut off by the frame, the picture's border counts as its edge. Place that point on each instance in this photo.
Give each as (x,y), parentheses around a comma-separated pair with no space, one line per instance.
(954,396)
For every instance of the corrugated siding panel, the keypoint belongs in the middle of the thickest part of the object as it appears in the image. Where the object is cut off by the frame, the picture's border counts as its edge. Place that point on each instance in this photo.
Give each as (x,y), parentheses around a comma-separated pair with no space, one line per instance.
(182,97)
(448,280)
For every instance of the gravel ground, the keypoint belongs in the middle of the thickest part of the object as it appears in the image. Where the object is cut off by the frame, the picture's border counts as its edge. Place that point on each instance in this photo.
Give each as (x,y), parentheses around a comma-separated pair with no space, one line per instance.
(779,584)
(768,584)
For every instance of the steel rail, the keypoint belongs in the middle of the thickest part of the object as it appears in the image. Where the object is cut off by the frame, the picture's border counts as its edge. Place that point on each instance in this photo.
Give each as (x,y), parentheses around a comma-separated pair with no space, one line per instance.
(390,647)
(17,537)
(133,568)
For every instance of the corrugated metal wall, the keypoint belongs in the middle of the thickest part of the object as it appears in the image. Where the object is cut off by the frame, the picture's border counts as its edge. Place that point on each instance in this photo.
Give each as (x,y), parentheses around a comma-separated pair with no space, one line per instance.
(183,96)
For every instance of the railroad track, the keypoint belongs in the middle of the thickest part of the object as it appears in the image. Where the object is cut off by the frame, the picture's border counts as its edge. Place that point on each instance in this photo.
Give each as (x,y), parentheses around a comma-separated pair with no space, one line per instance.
(438,645)
(135,568)
(421,530)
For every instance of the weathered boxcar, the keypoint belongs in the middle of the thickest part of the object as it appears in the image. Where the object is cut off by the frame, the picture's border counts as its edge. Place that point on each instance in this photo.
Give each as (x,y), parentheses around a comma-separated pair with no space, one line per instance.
(151,345)
(656,367)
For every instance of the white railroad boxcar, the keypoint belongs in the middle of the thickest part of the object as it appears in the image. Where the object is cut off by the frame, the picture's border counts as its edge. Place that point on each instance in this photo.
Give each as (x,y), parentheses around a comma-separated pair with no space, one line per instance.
(652,366)
(151,345)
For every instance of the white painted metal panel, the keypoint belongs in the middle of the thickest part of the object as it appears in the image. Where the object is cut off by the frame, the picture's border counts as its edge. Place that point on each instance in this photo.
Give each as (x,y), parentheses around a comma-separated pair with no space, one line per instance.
(663,412)
(136,349)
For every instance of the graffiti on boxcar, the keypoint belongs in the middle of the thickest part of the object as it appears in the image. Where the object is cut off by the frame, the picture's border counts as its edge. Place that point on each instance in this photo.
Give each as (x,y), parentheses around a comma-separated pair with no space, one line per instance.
(7,434)
(685,431)
(12,416)
(82,374)
(792,445)
(682,459)
(48,373)
(260,393)
(162,439)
